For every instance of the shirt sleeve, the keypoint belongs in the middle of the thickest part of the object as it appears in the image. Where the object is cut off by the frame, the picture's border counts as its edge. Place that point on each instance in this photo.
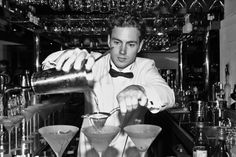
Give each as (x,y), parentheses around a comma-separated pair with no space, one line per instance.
(160,95)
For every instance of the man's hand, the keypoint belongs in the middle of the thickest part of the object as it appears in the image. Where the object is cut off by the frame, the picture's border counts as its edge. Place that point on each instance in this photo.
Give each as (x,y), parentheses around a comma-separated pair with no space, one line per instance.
(68,59)
(130,97)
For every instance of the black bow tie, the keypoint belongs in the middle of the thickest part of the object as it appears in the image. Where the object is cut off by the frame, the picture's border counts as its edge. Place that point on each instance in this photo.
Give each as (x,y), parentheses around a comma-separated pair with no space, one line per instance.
(115,73)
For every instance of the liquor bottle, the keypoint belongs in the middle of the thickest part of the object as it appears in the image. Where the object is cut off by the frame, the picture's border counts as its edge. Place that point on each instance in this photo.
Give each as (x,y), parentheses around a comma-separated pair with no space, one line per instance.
(200,148)
(220,94)
(227,86)
(25,89)
(195,93)
(221,149)
(1,104)
(233,94)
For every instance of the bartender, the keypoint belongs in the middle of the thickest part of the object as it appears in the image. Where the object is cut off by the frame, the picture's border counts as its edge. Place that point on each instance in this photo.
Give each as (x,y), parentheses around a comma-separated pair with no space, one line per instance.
(121,79)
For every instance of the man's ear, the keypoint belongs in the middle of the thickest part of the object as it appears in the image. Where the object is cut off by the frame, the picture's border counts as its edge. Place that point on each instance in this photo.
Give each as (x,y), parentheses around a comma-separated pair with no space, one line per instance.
(140,46)
(108,40)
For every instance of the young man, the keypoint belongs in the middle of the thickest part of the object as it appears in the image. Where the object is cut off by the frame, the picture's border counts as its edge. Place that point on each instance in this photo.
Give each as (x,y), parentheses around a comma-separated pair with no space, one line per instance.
(139,89)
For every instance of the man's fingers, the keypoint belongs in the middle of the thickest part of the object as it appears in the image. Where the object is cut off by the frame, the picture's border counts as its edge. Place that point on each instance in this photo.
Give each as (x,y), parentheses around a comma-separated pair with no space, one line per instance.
(62,58)
(143,100)
(122,104)
(130,97)
(79,59)
(69,62)
(134,102)
(53,57)
(96,55)
(90,63)
(128,102)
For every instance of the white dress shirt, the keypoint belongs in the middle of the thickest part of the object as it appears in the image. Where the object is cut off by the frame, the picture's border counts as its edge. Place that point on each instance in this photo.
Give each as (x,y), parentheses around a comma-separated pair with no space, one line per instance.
(160,96)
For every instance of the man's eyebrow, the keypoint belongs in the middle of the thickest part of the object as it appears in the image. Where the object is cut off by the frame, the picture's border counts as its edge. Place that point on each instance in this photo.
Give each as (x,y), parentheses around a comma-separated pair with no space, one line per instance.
(131,41)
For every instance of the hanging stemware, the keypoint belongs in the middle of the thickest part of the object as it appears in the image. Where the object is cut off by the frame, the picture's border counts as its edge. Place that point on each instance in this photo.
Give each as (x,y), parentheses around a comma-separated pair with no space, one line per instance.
(105,6)
(114,4)
(75,5)
(38,2)
(217,9)
(164,6)
(132,4)
(123,5)
(88,6)
(138,6)
(86,26)
(184,9)
(21,2)
(148,5)
(97,5)
(195,7)
(57,5)
(216,3)
(178,8)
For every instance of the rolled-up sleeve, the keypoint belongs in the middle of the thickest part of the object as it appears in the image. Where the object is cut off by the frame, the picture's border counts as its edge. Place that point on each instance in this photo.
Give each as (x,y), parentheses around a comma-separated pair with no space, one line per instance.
(160,95)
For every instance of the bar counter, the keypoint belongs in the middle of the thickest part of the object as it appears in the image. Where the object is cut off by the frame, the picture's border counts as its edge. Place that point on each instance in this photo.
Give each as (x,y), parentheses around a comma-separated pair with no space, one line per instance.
(174,140)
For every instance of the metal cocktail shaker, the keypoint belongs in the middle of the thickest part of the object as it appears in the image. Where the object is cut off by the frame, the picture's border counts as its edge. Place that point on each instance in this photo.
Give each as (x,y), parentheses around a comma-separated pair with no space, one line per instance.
(52,81)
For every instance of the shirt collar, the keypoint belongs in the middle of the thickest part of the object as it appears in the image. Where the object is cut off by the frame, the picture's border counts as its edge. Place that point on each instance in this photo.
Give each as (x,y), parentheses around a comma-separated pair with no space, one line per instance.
(127,69)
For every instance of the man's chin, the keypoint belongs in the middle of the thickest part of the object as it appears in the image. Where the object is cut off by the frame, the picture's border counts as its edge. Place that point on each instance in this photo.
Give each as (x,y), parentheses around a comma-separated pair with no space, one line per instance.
(122,67)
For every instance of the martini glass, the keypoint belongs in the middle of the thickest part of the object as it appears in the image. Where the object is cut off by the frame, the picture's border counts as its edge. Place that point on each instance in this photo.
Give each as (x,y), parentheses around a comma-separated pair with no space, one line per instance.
(100,139)
(142,135)
(46,111)
(34,109)
(9,123)
(28,114)
(58,137)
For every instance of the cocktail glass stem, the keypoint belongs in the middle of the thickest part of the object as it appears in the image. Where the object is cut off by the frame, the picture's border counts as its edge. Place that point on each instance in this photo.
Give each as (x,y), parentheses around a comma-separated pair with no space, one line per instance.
(142,154)
(16,137)
(36,123)
(9,141)
(1,130)
(100,154)
(31,134)
(27,130)
(57,154)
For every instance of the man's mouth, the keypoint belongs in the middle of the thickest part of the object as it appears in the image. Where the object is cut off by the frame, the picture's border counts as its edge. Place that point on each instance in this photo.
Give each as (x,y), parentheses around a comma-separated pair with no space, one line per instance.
(121,59)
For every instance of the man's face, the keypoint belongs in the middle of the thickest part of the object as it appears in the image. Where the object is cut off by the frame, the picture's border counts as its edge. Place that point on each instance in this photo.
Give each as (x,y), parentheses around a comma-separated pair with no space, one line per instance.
(126,44)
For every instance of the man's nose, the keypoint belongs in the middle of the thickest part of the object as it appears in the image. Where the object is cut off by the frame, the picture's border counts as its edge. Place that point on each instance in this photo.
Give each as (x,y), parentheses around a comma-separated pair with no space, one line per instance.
(123,49)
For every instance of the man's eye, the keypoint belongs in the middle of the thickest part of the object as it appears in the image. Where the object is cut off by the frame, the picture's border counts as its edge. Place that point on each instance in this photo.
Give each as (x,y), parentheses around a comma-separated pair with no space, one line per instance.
(116,42)
(132,45)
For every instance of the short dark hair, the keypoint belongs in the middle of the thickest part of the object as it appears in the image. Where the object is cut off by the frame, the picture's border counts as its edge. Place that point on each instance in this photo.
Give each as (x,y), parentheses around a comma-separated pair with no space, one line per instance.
(127,19)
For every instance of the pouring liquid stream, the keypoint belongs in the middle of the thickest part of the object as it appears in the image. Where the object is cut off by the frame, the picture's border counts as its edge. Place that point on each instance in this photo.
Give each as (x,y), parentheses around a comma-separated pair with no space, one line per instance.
(92,91)
(95,100)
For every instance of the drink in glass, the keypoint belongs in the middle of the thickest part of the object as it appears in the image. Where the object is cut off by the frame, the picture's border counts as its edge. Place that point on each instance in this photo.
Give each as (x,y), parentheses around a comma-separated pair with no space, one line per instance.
(58,137)
(100,138)
(142,135)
